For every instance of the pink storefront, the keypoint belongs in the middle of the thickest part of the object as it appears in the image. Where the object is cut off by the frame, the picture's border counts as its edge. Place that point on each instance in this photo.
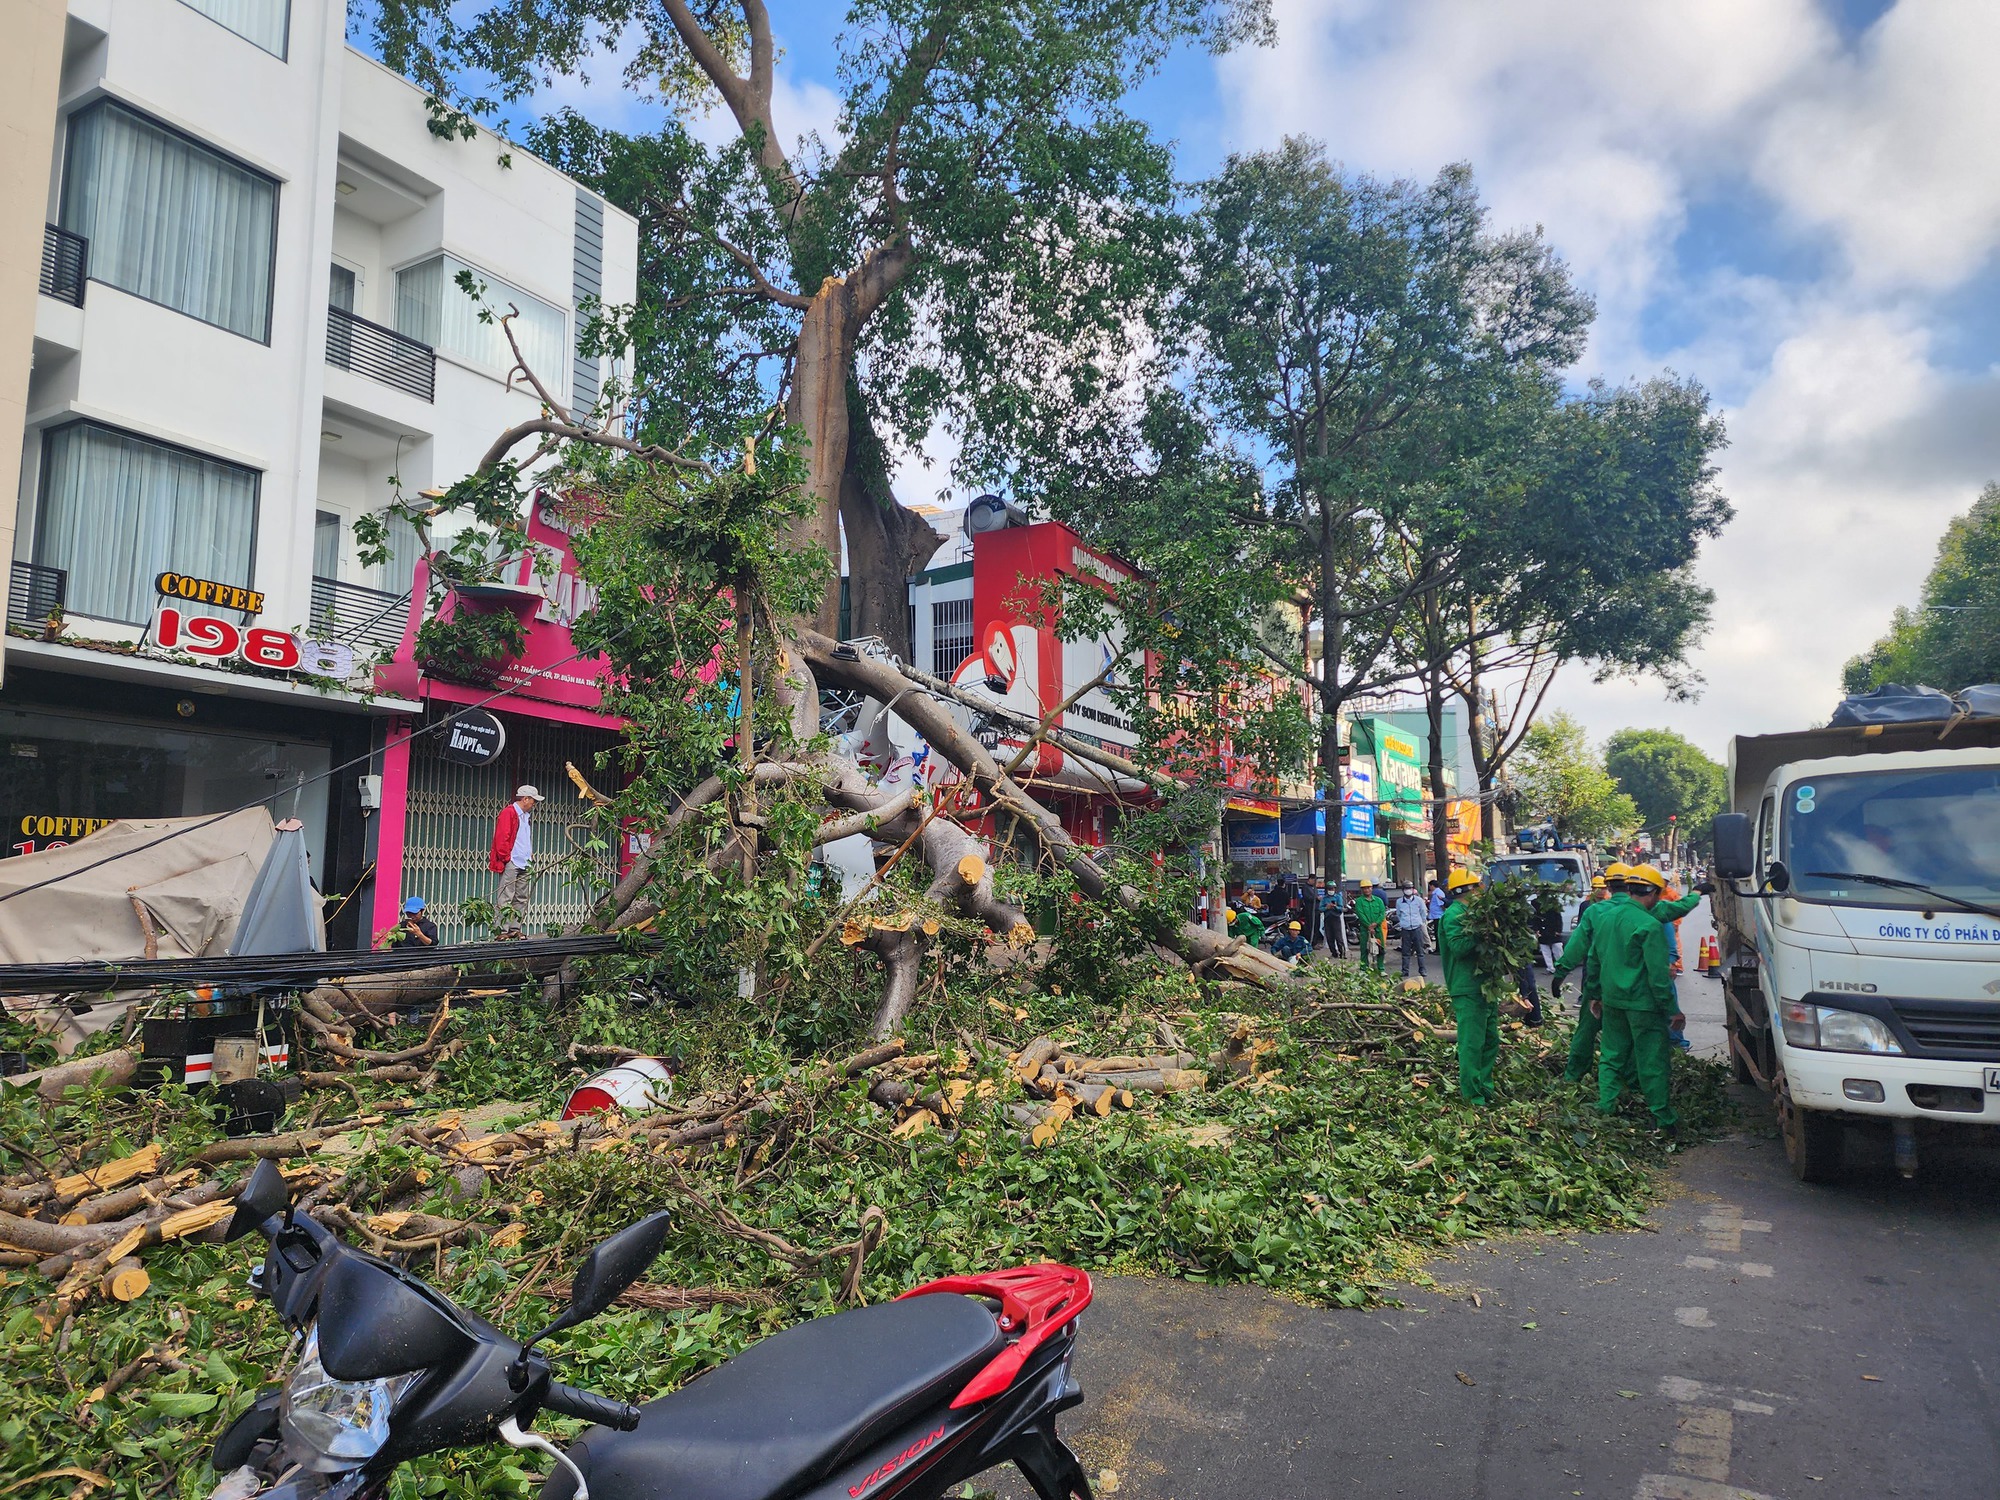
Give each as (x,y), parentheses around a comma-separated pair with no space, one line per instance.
(435,822)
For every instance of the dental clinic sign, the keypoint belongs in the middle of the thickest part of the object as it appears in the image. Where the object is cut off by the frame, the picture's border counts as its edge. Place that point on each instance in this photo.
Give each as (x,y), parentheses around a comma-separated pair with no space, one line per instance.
(180,624)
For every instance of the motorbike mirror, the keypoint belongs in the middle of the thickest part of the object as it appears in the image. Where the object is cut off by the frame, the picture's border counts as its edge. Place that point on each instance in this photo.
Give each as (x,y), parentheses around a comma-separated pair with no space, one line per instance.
(262,1196)
(609,1268)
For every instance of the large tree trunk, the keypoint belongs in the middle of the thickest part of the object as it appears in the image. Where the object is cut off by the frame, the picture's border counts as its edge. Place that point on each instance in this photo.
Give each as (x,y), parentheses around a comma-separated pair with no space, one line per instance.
(818,406)
(887,544)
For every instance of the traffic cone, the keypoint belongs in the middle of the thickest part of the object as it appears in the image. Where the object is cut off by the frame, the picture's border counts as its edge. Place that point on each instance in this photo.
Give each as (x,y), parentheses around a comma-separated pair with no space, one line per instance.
(1710,957)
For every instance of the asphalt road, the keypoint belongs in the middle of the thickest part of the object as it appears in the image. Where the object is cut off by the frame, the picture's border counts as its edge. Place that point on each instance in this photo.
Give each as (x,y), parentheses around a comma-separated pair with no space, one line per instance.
(1765,1341)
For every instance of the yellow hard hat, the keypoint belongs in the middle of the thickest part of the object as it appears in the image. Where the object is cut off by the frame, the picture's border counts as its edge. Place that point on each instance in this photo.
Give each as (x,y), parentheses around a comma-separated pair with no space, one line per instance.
(1645,875)
(1617,870)
(1293,927)
(1597,882)
(1460,879)
(1367,885)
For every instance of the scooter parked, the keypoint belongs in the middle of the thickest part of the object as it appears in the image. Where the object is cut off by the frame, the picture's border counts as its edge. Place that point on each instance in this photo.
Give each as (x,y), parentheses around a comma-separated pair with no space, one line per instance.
(904,1399)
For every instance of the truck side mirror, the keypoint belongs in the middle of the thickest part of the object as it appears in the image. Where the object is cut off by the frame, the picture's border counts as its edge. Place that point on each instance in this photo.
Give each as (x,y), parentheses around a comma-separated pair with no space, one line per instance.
(1735,846)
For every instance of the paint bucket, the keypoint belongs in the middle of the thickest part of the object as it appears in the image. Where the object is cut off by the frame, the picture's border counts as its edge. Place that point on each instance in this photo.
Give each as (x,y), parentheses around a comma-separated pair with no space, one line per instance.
(638,1083)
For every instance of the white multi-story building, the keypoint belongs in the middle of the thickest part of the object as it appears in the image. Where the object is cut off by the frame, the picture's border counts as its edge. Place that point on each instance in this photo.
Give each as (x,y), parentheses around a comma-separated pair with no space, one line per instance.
(249,326)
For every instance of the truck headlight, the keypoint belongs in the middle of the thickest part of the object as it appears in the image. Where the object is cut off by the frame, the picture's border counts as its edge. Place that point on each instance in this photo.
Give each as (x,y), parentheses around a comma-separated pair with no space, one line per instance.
(343,1422)
(1833,1030)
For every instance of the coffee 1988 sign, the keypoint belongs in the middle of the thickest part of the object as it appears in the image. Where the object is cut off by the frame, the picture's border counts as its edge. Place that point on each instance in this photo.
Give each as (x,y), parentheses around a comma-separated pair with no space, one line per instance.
(178,628)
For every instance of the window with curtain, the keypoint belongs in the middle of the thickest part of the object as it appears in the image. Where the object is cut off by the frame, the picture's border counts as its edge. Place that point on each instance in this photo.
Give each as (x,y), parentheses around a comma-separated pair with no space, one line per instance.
(264,22)
(398,573)
(430,305)
(118,510)
(326,544)
(170,220)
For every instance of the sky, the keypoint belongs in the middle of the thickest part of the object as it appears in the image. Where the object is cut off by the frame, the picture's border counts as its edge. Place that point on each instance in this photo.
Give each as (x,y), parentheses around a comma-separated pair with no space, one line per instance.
(1794,202)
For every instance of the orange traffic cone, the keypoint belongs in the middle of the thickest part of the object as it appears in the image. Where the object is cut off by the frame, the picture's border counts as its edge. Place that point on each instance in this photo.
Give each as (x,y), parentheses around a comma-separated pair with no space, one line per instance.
(1710,957)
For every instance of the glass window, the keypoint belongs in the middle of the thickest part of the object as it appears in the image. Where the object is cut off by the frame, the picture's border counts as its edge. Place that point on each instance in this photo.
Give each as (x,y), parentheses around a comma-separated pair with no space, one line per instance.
(170,220)
(117,510)
(264,22)
(69,766)
(340,288)
(951,635)
(1939,828)
(430,305)
(1548,871)
(326,544)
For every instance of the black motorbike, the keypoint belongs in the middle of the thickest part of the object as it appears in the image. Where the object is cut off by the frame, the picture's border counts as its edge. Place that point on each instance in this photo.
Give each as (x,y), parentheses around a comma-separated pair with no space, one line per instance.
(904,1399)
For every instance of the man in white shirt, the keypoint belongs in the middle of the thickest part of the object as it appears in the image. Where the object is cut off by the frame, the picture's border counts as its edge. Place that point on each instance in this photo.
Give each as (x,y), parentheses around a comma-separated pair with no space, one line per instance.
(1412,921)
(512,853)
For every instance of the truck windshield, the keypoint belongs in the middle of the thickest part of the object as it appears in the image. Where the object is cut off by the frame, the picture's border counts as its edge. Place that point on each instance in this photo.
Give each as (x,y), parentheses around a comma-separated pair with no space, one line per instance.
(1939,828)
(1550,871)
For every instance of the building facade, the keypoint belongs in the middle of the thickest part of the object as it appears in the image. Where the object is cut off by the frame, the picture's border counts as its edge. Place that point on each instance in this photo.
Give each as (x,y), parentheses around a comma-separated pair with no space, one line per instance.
(250,330)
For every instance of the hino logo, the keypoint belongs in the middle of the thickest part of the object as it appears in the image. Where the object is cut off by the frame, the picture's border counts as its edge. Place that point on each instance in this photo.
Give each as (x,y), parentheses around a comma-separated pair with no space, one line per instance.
(1849,986)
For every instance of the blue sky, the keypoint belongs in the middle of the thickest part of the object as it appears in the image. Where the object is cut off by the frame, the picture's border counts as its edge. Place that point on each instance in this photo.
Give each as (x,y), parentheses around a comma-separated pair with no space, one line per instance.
(1796,202)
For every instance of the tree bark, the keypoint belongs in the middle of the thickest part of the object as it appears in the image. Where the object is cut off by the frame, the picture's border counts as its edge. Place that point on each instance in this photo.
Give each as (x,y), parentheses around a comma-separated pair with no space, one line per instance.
(818,405)
(887,543)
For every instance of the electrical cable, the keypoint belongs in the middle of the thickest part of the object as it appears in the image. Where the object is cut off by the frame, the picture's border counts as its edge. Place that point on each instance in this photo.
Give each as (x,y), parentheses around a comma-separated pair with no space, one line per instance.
(358,760)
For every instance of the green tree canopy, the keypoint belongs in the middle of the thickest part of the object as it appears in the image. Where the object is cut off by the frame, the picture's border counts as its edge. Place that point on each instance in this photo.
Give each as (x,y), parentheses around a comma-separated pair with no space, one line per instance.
(1562,780)
(978,247)
(1667,776)
(1953,640)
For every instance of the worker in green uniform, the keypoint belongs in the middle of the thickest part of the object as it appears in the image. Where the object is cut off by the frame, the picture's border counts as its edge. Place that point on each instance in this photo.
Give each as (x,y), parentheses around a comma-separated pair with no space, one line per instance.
(1582,1062)
(1478,1018)
(1636,1002)
(1246,924)
(1373,916)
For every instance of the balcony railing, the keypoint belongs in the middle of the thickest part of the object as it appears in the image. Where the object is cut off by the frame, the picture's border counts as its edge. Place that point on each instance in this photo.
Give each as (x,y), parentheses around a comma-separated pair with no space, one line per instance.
(380,353)
(357,616)
(65,263)
(36,593)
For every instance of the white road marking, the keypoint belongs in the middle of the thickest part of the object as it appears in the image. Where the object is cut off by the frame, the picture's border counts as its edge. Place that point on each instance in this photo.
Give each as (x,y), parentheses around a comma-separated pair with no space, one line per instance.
(1701,1263)
(1687,1487)
(1693,1317)
(1753,1408)
(1702,1440)
(1742,1268)
(1756,1268)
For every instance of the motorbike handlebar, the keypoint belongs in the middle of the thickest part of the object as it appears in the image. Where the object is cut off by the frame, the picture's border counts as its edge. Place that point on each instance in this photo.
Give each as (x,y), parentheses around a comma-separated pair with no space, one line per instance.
(587,1407)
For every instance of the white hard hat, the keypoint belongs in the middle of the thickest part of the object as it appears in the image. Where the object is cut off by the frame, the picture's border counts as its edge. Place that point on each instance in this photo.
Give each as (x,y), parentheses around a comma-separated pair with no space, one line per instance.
(527,791)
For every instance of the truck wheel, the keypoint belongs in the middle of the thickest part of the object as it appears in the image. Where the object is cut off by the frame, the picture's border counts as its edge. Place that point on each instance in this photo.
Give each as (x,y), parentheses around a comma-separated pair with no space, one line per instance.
(1814,1142)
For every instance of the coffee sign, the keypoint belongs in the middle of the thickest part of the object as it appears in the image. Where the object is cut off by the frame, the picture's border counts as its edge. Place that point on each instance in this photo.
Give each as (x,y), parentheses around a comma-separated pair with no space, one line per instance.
(208,591)
(473,738)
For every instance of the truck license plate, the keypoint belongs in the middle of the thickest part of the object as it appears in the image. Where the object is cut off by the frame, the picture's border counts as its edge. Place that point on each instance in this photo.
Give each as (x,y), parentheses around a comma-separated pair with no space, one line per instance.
(1993,1080)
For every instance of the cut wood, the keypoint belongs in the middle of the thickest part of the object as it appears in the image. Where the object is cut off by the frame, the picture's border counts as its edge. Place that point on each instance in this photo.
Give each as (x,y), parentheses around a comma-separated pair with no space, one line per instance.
(193,1220)
(1153,1080)
(141,1163)
(126,1281)
(107,1069)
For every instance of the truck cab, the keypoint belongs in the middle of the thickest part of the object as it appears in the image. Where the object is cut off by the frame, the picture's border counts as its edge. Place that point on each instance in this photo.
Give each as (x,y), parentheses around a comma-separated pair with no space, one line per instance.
(1860,926)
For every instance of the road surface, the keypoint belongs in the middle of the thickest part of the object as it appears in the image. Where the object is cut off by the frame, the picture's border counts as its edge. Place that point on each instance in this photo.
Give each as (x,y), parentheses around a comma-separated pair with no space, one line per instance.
(1766,1339)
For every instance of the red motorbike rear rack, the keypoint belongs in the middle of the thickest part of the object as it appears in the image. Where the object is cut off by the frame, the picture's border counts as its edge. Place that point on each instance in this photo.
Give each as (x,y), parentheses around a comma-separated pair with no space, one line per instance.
(1035,1301)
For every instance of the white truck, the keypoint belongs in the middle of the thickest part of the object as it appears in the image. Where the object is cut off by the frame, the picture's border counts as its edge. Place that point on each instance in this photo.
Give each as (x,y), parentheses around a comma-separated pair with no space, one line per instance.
(1858,915)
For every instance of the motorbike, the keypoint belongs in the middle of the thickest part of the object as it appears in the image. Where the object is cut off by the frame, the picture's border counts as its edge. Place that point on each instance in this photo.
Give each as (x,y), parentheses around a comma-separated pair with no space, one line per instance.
(905,1398)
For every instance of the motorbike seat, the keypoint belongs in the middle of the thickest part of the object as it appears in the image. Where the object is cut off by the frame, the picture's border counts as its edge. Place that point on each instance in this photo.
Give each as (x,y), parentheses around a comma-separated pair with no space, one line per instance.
(787,1412)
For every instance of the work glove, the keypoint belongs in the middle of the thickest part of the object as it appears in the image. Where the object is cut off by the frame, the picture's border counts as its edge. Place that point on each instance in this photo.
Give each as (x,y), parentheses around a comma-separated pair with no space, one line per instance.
(1556,983)
(1704,887)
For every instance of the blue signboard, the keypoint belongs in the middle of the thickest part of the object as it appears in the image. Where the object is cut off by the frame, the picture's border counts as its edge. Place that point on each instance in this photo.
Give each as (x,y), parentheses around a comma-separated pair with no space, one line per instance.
(1357,815)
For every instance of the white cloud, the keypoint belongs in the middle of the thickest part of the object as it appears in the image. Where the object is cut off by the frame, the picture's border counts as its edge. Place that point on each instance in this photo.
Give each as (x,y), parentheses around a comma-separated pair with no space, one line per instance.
(1896,149)
(1851,443)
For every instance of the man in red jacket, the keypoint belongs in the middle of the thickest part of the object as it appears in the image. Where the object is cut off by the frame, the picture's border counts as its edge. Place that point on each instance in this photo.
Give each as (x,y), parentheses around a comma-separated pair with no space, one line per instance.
(513,851)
